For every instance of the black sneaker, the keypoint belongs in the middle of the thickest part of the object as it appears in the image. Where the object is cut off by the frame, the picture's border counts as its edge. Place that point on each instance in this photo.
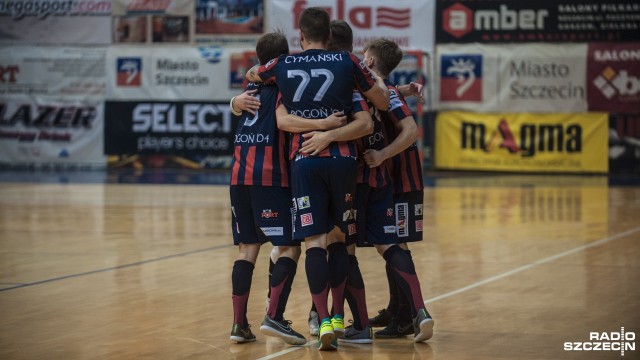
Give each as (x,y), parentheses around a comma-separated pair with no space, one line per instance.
(240,335)
(382,319)
(283,330)
(395,330)
(351,335)
(422,326)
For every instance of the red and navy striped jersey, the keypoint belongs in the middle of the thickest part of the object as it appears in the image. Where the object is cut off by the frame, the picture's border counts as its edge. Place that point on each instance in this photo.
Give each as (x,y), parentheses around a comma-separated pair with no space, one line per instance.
(406,167)
(380,175)
(259,156)
(316,83)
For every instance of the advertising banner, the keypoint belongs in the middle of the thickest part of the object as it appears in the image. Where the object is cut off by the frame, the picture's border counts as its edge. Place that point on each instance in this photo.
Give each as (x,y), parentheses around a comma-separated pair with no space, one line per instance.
(152,21)
(624,143)
(507,21)
(59,72)
(229,22)
(517,78)
(55,21)
(51,132)
(613,77)
(408,22)
(522,142)
(173,73)
(173,128)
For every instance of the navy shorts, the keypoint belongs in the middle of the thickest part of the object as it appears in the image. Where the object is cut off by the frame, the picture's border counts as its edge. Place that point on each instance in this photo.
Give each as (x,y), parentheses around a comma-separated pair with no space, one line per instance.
(375,223)
(408,213)
(261,214)
(323,189)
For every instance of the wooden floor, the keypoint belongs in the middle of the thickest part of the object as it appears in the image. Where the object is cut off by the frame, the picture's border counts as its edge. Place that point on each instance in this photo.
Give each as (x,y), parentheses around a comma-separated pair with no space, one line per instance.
(511,267)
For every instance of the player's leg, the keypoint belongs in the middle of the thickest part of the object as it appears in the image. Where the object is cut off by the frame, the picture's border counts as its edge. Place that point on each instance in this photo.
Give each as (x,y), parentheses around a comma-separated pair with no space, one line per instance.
(338,260)
(342,182)
(360,331)
(275,224)
(309,187)
(248,242)
(273,257)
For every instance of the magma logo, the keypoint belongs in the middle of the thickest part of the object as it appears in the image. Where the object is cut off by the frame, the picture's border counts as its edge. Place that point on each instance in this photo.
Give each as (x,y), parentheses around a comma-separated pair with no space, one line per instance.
(461,78)
(129,71)
(534,138)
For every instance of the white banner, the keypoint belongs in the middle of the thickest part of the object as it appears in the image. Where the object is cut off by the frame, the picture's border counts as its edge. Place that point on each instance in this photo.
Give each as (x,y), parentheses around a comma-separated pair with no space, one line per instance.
(514,78)
(52,131)
(408,22)
(67,72)
(55,21)
(174,73)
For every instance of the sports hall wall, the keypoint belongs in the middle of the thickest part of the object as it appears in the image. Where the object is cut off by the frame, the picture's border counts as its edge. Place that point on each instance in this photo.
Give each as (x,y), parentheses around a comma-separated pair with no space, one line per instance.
(510,85)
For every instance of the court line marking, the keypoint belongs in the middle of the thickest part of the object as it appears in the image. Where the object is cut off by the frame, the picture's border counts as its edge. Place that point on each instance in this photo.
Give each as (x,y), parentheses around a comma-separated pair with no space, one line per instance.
(498,277)
(138,263)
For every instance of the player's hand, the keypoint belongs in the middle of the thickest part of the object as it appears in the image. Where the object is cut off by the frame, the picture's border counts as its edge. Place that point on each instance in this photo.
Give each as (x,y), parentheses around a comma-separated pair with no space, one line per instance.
(334,120)
(246,101)
(373,158)
(315,142)
(416,89)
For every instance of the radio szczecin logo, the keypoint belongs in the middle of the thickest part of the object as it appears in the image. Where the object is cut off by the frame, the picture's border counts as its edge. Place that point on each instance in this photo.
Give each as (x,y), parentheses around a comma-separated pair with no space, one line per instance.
(605,341)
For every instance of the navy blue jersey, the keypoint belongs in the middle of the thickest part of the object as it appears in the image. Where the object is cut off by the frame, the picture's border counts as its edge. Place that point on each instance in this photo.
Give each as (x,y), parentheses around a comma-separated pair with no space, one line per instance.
(316,83)
(406,167)
(259,156)
(374,177)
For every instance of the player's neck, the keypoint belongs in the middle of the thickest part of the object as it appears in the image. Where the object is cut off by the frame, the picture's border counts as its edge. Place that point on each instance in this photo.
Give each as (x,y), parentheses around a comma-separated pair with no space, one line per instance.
(314,46)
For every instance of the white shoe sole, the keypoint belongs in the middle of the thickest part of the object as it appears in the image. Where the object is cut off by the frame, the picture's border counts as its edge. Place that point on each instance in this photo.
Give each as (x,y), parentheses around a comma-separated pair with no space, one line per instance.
(289,339)
(426,330)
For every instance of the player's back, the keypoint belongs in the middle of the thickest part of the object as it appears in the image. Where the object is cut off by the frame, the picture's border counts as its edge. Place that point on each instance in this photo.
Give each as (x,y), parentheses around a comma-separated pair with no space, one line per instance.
(316,83)
(259,147)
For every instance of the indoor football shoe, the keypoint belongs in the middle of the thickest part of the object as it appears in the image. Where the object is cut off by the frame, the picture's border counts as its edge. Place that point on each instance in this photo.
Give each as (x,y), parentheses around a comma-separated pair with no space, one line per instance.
(240,335)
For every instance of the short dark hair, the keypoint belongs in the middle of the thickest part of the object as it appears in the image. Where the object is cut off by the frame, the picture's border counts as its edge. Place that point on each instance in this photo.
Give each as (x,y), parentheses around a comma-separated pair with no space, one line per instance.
(270,46)
(315,24)
(387,54)
(341,36)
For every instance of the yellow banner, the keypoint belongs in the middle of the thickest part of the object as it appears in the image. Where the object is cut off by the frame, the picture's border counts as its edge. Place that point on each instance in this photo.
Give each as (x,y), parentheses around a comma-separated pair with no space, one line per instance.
(522,142)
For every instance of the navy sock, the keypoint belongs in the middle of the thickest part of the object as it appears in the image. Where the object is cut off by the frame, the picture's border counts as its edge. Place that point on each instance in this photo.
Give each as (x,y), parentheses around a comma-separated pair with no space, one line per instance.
(284,272)
(241,277)
(317,269)
(338,269)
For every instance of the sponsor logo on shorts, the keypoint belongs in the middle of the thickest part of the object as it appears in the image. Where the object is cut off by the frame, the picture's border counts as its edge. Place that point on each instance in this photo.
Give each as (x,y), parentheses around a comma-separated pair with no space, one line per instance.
(273,231)
(268,214)
(303,202)
(390,229)
(418,209)
(348,198)
(402,209)
(389,212)
(349,215)
(352,229)
(306,219)
(418,225)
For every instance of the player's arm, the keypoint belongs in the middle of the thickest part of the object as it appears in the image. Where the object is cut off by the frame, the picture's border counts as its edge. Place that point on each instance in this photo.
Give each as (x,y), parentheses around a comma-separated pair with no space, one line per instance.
(297,124)
(411,89)
(378,94)
(245,102)
(252,74)
(407,136)
(316,141)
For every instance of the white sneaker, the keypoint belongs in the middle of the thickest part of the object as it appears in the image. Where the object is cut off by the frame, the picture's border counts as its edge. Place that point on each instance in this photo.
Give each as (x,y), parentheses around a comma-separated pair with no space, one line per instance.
(313,323)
